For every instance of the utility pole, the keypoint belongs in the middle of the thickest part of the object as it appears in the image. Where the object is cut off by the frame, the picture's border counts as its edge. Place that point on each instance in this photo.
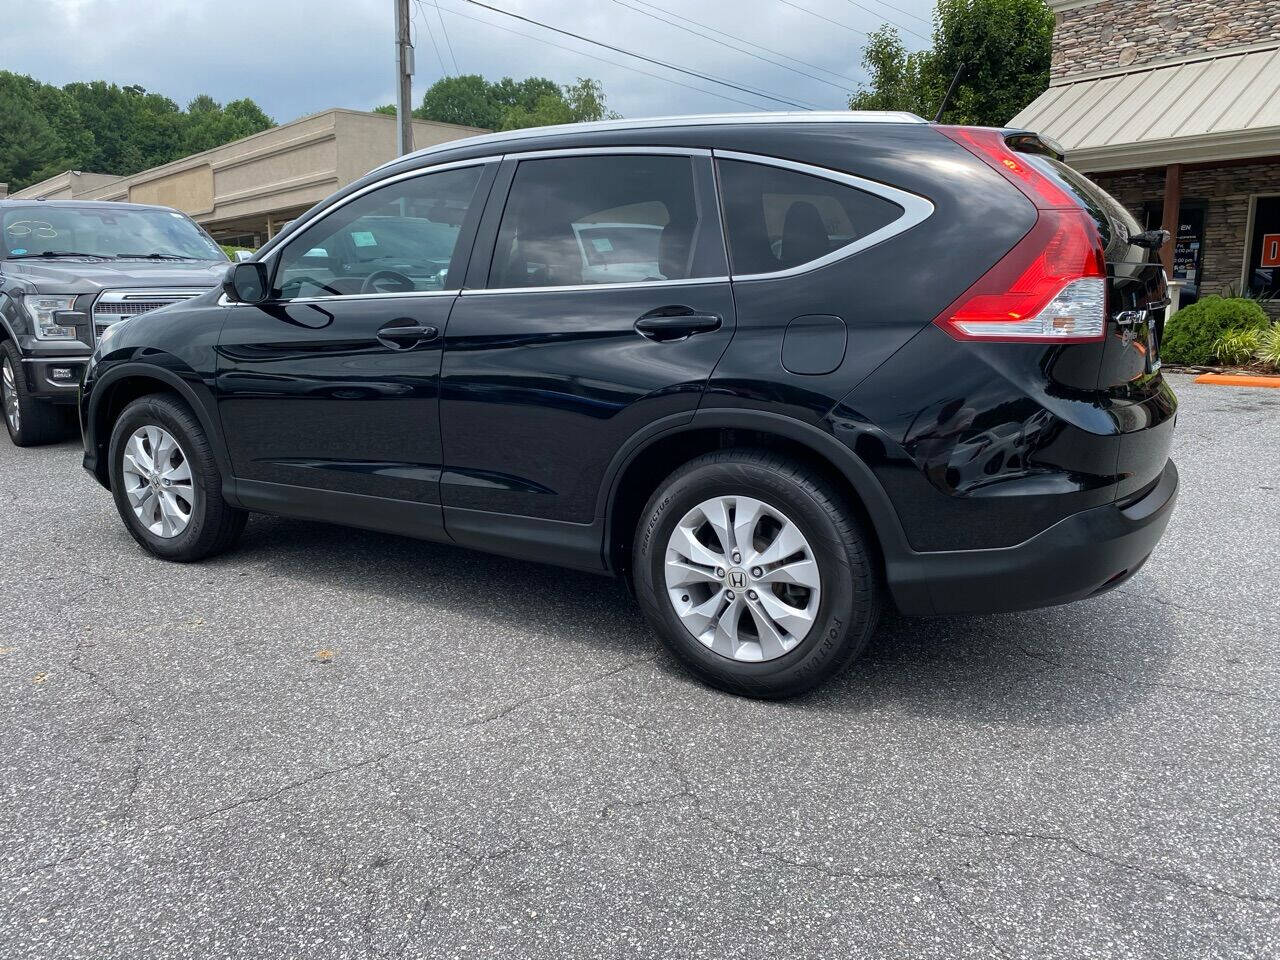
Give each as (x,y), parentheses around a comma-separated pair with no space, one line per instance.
(404,79)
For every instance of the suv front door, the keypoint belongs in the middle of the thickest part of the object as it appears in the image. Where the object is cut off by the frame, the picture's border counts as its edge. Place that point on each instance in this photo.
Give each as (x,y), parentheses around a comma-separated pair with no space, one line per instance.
(328,391)
(603,309)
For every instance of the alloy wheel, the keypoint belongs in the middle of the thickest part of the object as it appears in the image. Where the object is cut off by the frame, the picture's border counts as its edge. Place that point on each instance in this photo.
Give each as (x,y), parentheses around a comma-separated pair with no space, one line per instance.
(9,388)
(158,482)
(743,578)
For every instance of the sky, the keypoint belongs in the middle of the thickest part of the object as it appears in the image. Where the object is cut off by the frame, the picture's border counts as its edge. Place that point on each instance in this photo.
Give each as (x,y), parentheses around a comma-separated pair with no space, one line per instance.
(296,57)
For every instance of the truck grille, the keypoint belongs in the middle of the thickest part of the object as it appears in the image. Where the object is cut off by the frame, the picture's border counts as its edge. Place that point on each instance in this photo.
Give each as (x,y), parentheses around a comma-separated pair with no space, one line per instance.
(115,305)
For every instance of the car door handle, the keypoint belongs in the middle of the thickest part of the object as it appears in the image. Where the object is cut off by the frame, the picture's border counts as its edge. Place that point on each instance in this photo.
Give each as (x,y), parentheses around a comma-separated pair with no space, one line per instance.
(665,324)
(404,335)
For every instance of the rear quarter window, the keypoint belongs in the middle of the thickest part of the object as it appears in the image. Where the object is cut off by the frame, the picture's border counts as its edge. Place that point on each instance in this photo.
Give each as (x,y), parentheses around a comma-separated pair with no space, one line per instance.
(778,219)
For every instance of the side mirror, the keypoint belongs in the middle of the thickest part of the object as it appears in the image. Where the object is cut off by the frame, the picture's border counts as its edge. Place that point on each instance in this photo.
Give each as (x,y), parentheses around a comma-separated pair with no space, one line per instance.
(246,283)
(243,255)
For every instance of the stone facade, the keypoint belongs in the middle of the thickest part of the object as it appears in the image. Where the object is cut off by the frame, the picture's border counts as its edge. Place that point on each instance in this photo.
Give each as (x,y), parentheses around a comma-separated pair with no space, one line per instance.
(1227,192)
(1119,34)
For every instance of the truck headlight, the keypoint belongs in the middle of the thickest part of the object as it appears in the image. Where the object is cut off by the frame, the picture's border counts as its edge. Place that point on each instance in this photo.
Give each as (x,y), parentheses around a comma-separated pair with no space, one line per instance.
(41,309)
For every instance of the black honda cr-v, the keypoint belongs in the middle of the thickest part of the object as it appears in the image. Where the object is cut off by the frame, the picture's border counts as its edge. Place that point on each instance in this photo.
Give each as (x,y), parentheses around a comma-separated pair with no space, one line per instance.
(778,371)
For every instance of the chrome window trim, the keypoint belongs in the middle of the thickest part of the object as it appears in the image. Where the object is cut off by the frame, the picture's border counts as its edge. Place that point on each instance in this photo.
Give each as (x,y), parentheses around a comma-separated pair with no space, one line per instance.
(640,150)
(223,301)
(658,123)
(609,151)
(301,224)
(570,288)
(915,210)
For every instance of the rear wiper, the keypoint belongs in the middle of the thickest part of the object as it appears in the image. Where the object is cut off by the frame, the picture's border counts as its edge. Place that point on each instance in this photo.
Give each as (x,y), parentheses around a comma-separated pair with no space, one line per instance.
(155,256)
(57,253)
(1151,239)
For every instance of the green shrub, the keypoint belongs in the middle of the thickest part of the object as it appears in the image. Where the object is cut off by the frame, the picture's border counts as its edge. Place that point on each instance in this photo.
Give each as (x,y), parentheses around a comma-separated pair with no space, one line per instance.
(1237,347)
(230,250)
(1192,332)
(1268,350)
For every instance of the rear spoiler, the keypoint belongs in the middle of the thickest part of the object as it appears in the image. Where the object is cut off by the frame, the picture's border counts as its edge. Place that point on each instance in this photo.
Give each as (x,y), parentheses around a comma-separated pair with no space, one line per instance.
(1024,141)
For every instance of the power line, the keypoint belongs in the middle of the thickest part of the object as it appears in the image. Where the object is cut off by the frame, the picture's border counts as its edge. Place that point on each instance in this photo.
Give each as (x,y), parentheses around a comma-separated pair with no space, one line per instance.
(876,13)
(639,56)
(885,3)
(796,6)
(705,36)
(750,43)
(444,71)
(447,42)
(592,56)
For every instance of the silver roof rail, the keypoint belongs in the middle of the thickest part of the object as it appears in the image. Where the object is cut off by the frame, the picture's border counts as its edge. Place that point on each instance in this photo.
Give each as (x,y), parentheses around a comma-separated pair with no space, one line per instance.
(648,123)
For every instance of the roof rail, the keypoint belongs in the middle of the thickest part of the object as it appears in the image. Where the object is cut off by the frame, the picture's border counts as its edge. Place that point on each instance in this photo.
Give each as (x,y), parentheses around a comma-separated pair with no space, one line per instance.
(645,123)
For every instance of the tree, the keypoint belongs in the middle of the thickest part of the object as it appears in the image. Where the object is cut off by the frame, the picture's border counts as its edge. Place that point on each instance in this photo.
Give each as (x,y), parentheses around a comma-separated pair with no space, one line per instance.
(30,146)
(105,128)
(1005,46)
(508,104)
(899,80)
(211,125)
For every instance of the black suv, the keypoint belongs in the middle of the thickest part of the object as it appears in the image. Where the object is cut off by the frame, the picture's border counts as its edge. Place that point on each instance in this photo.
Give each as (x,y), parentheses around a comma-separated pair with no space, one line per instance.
(776,371)
(68,270)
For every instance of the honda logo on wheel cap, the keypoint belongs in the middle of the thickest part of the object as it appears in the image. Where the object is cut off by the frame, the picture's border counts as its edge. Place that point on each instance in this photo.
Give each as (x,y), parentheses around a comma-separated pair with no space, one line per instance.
(737,579)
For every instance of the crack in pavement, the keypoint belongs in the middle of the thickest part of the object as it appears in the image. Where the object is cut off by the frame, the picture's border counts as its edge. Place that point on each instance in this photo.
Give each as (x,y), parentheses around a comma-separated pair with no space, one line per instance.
(1138,681)
(353,765)
(127,713)
(1177,879)
(1165,602)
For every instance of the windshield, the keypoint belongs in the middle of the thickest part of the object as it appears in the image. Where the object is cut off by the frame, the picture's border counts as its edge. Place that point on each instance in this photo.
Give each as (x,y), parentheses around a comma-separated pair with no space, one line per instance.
(45,229)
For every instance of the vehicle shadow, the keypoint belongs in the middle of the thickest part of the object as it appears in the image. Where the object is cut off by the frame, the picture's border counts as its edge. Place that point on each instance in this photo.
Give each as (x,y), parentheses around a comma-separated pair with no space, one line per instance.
(1065,665)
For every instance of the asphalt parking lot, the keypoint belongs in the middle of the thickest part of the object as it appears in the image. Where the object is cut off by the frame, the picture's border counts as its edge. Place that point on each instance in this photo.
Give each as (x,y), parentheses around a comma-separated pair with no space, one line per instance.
(342,744)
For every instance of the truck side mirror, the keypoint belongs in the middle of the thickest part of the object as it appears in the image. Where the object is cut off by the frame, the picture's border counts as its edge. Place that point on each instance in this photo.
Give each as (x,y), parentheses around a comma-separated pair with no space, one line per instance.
(243,255)
(246,283)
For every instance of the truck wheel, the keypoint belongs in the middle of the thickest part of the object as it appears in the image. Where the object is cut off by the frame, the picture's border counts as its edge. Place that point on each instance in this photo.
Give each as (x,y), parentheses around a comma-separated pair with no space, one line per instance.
(30,422)
(166,484)
(755,573)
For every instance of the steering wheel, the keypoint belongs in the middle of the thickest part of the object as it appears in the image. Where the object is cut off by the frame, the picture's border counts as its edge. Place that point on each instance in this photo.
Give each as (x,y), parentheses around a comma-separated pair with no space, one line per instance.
(370,285)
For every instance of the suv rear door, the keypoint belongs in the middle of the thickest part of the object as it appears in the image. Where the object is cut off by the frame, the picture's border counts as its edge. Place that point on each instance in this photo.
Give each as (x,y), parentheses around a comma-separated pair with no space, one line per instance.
(562,347)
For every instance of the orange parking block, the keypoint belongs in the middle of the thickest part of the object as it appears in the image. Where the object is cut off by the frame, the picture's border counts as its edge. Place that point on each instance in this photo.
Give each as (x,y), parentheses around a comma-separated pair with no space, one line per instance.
(1237,380)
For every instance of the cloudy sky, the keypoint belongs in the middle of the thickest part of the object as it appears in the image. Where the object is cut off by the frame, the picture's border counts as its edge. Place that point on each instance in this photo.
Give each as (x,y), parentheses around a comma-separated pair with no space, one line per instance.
(296,57)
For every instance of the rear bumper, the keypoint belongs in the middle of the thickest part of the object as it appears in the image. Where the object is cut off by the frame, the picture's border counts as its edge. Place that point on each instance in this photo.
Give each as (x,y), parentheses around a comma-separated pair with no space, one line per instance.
(1079,556)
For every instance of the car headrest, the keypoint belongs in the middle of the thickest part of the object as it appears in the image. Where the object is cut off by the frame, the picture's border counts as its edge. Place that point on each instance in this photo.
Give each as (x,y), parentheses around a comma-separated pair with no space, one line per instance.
(804,235)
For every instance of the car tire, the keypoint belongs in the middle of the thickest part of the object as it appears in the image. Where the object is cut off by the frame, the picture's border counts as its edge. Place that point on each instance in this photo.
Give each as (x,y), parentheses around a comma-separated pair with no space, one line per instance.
(841,618)
(30,421)
(184,520)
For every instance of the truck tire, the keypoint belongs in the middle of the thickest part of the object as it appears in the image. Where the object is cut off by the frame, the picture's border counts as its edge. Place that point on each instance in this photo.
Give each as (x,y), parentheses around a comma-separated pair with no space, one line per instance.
(30,421)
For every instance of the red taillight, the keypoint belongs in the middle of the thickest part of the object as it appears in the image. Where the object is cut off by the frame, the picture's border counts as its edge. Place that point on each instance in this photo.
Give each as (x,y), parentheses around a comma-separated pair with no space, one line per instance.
(989,146)
(1052,286)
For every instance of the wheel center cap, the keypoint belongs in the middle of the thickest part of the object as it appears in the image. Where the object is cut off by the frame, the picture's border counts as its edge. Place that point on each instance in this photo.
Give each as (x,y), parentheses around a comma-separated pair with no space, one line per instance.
(736,578)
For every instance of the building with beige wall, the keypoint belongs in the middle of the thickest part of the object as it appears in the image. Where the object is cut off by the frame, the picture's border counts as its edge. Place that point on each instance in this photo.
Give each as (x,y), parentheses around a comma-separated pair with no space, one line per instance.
(243,191)
(1173,106)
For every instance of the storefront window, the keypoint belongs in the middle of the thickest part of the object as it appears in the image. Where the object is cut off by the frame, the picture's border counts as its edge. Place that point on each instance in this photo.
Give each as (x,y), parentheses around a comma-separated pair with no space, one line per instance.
(1264,250)
(1188,249)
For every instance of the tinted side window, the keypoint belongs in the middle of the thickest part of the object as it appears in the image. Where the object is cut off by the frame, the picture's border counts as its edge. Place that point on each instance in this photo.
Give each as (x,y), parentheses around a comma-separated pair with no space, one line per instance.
(778,219)
(399,238)
(602,219)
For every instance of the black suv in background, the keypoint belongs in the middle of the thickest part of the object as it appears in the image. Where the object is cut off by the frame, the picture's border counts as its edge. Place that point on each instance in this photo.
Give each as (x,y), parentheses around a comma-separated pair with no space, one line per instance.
(776,371)
(69,269)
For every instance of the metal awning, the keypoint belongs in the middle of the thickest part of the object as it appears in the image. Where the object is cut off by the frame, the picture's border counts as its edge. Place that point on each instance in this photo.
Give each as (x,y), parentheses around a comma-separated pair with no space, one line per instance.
(1213,107)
